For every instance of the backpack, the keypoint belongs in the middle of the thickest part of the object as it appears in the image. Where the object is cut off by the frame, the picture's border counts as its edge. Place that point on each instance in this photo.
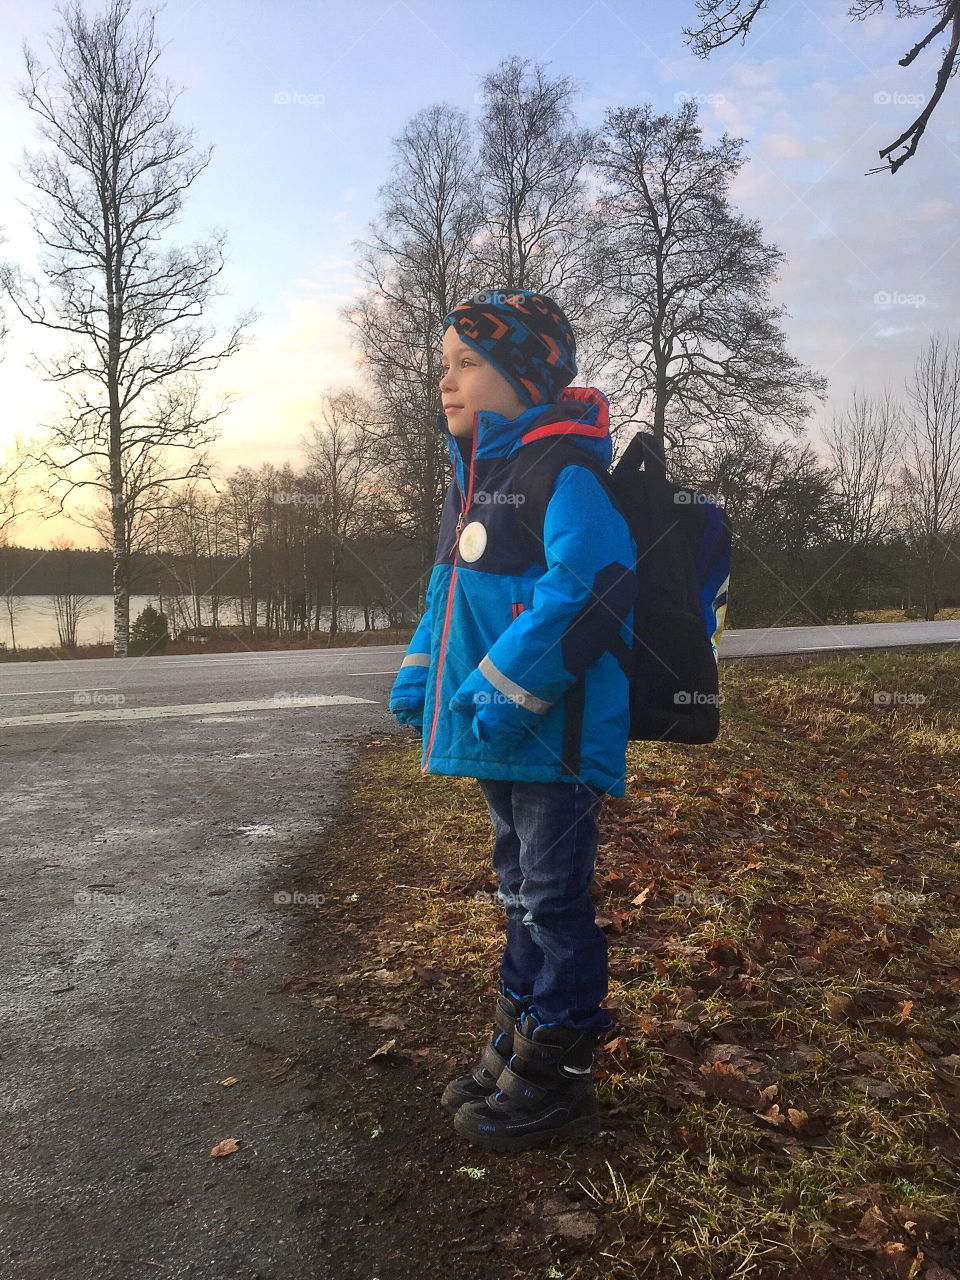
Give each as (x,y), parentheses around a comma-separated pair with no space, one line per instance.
(683,573)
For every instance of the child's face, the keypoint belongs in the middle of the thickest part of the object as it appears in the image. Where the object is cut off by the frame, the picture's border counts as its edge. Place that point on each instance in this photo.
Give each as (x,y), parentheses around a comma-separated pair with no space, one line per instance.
(471,383)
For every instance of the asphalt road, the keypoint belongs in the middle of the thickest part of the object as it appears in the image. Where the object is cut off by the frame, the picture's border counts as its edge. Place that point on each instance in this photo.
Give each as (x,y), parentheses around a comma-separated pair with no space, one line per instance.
(151,809)
(141,960)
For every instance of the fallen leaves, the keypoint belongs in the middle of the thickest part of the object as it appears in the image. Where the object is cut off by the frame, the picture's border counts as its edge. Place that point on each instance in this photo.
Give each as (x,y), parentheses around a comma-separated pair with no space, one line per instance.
(875,1088)
(728,1083)
(226,1147)
(785,1007)
(724,954)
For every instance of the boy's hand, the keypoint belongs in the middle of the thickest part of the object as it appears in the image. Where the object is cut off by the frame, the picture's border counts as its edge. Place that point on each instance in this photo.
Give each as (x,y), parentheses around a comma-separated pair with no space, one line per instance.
(410,716)
(497,719)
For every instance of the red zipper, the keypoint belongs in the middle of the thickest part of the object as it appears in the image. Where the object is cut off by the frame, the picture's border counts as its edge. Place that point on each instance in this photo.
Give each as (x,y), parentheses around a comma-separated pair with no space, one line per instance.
(448,608)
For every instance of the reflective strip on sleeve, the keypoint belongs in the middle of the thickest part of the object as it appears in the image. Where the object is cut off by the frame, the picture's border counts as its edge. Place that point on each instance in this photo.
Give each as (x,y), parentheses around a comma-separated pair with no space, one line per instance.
(416,660)
(512,690)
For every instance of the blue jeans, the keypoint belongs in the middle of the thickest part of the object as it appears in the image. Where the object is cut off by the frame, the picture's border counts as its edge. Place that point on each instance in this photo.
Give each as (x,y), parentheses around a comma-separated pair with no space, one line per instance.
(545,844)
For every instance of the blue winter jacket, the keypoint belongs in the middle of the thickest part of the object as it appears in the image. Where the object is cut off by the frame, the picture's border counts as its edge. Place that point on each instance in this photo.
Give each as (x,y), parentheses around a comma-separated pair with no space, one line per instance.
(508,674)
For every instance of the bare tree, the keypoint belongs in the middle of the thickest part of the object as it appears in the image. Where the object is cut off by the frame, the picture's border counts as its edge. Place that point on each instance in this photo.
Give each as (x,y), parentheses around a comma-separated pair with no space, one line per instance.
(3,322)
(11,597)
(186,545)
(725,20)
(781,505)
(929,496)
(340,458)
(245,514)
(70,606)
(110,184)
(863,446)
(11,509)
(416,267)
(864,443)
(696,348)
(11,494)
(538,215)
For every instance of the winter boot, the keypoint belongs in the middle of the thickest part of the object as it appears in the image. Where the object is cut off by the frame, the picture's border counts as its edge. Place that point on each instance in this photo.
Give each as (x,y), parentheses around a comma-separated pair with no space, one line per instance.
(545,1092)
(481,1082)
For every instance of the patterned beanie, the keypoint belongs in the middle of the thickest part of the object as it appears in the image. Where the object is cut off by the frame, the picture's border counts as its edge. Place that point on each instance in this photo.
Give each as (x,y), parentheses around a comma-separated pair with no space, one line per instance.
(525,335)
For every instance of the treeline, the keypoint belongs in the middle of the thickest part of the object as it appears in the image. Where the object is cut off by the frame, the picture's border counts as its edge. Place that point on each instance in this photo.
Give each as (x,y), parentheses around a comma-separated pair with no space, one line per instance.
(276,552)
(281,551)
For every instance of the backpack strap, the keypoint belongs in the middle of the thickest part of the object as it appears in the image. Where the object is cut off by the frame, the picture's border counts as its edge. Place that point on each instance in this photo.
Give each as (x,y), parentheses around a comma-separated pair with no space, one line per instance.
(533,480)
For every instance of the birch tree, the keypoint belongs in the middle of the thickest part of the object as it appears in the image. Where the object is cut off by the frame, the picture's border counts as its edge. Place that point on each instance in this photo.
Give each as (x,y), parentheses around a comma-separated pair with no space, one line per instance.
(110,182)
(930,472)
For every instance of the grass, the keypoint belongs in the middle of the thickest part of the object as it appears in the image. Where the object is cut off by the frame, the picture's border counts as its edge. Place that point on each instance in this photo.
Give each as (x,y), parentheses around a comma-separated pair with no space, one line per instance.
(783,1094)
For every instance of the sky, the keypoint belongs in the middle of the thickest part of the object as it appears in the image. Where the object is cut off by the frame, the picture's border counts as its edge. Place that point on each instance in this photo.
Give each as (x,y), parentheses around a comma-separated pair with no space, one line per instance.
(301,102)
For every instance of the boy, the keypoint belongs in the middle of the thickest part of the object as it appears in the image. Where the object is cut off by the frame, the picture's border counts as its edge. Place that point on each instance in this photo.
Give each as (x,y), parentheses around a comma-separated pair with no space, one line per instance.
(510,680)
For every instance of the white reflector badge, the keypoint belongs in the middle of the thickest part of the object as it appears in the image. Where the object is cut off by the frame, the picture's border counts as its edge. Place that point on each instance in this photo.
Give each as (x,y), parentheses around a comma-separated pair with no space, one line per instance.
(473,541)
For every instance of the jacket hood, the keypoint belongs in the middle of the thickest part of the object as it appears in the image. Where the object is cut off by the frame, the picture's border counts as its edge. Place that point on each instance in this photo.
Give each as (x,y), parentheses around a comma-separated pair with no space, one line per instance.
(581,414)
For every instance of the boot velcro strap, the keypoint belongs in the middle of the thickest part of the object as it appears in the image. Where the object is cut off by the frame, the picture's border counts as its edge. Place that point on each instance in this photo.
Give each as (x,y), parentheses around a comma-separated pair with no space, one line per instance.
(536,1052)
(503,1018)
(518,1089)
(493,1061)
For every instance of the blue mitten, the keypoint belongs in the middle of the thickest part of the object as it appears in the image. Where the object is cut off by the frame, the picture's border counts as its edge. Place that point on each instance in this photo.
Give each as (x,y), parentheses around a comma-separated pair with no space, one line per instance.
(497,719)
(410,716)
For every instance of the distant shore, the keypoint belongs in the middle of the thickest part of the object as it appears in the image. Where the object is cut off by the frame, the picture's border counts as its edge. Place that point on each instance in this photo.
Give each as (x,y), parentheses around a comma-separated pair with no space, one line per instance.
(221,641)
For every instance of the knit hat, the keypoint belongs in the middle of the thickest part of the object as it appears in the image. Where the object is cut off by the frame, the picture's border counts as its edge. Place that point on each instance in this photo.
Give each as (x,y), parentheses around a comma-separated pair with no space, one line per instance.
(525,335)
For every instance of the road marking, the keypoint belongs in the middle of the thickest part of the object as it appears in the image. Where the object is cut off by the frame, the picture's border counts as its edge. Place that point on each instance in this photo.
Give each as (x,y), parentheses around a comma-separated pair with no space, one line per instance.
(186,709)
(24,693)
(211,662)
(874,644)
(313,675)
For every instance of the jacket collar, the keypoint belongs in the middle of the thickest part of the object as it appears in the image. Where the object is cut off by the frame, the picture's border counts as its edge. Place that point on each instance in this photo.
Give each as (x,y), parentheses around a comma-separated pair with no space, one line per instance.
(581,415)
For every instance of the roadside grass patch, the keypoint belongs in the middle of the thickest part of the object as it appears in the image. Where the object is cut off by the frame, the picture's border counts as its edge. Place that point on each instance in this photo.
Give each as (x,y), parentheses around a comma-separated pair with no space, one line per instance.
(782,1094)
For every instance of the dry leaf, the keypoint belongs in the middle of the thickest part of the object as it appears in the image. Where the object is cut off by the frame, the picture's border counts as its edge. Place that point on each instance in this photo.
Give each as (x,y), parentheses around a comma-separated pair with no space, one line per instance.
(426,973)
(618,1047)
(729,1084)
(773,1115)
(225,1148)
(563,1218)
(873,1226)
(392,977)
(385,1048)
(874,1088)
(797,1117)
(387,1022)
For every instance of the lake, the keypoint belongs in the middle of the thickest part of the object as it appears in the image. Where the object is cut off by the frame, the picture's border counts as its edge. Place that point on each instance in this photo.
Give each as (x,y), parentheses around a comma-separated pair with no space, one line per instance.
(36,624)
